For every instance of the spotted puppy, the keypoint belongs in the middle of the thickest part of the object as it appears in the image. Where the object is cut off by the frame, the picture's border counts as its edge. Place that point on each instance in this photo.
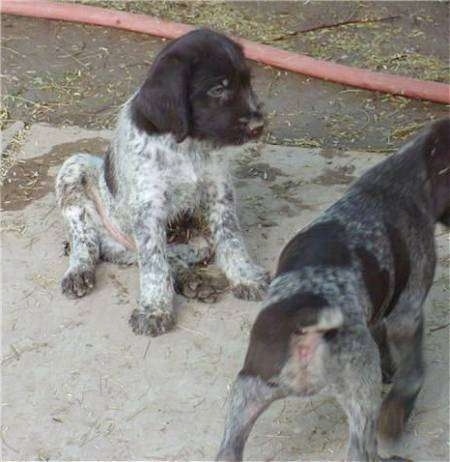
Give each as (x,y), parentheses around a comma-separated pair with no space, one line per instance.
(354,279)
(196,98)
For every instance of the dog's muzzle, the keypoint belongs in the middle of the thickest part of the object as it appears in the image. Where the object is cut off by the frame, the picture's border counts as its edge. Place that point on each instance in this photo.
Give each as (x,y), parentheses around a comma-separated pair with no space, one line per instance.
(254,125)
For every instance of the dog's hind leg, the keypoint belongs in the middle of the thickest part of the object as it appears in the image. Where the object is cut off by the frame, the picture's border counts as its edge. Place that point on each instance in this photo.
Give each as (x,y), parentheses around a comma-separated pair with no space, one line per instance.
(181,256)
(379,333)
(191,278)
(113,252)
(250,396)
(354,369)
(405,341)
(79,215)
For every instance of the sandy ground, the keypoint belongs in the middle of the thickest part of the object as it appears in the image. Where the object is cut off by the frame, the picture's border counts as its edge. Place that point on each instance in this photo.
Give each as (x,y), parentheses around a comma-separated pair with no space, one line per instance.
(78,384)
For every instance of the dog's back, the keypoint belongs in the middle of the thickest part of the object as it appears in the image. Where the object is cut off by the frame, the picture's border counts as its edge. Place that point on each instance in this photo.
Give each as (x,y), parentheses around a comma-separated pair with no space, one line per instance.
(378,238)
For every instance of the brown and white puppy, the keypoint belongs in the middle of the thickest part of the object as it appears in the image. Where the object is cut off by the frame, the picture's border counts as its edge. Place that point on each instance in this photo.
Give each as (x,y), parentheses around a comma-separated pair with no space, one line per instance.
(161,163)
(346,303)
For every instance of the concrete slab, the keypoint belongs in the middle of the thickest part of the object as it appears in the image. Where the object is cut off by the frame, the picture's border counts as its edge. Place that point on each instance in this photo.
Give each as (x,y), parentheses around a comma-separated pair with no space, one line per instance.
(78,384)
(8,134)
(42,137)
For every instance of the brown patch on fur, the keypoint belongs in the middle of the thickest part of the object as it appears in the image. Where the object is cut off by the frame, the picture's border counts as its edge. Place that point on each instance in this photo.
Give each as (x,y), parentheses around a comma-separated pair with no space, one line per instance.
(437,160)
(402,264)
(110,177)
(271,333)
(391,422)
(323,243)
(376,281)
(185,227)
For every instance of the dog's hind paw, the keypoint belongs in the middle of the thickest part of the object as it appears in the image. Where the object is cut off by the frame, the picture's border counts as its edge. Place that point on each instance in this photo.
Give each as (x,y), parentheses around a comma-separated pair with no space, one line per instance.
(78,281)
(254,290)
(393,416)
(203,284)
(395,459)
(151,321)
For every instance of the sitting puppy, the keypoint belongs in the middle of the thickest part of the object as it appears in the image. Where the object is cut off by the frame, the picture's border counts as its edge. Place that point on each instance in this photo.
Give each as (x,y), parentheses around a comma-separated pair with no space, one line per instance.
(196,98)
(354,278)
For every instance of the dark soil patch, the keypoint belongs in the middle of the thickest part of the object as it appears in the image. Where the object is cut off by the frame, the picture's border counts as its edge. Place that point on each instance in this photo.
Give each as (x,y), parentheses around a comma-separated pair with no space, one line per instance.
(258,170)
(29,180)
(329,153)
(286,191)
(341,175)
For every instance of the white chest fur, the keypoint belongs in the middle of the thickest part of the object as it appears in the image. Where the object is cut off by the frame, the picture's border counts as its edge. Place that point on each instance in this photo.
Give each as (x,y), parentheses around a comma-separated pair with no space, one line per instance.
(172,176)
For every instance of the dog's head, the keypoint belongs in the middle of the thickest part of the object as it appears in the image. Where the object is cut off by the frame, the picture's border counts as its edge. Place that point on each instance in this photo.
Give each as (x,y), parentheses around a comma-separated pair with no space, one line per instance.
(199,86)
(436,148)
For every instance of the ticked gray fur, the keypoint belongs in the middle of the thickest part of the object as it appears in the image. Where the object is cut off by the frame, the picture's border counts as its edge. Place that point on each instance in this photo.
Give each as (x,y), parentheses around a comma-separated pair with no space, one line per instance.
(156,179)
(345,307)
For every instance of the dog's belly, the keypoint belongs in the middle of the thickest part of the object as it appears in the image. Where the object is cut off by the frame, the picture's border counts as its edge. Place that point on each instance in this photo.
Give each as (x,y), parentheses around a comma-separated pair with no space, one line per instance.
(182,190)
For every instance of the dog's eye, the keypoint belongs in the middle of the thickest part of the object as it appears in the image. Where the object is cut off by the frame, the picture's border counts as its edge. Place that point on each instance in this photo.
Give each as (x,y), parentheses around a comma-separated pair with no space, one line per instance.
(217,91)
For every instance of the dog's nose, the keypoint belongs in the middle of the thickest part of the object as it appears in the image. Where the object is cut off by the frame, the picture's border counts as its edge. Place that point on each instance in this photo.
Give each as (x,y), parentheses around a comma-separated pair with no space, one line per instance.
(255,126)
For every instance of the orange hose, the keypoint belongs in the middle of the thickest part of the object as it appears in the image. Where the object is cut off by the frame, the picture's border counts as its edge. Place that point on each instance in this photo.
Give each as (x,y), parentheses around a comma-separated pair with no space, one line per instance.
(361,78)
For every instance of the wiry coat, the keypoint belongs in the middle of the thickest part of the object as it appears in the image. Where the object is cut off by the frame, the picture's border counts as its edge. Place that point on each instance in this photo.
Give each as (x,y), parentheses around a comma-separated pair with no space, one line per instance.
(354,279)
(163,162)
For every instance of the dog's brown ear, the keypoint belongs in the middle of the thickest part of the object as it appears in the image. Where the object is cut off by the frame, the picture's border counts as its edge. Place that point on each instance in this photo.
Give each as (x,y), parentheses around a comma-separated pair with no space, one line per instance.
(436,147)
(161,105)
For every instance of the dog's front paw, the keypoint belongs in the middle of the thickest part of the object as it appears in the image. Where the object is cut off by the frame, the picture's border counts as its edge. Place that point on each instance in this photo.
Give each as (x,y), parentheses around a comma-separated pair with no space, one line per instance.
(152,321)
(252,290)
(78,281)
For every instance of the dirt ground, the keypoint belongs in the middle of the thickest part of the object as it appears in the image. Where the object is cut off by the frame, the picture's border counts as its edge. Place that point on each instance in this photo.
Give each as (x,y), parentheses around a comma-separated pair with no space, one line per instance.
(76,383)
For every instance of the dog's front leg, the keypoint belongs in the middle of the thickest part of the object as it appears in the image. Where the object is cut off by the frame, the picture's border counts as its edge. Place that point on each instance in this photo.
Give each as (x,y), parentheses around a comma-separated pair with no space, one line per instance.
(249,280)
(155,314)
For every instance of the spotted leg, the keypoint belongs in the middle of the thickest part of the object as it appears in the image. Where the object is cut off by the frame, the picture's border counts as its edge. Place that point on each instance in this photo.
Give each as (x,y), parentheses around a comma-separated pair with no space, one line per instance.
(249,281)
(81,221)
(155,314)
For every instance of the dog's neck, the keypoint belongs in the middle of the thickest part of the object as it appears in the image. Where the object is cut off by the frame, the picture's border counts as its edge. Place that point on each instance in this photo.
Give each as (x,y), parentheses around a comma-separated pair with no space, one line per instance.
(406,174)
(191,146)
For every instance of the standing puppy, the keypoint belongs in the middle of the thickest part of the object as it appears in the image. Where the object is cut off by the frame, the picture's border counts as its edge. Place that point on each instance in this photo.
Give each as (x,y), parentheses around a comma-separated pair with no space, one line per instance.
(196,98)
(354,278)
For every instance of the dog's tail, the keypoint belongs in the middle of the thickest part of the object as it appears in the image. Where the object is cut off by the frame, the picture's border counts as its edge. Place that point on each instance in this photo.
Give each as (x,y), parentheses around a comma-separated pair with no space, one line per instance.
(328,318)
(307,311)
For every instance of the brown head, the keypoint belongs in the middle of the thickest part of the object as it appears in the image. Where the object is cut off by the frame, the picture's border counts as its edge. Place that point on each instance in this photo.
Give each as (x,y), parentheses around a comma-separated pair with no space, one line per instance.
(200,86)
(436,149)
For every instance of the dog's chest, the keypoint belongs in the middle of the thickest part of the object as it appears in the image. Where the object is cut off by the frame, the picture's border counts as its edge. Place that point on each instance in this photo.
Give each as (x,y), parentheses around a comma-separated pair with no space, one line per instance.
(185,189)
(185,183)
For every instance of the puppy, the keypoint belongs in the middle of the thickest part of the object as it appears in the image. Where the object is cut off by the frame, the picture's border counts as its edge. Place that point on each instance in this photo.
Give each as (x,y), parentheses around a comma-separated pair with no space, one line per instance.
(355,278)
(196,98)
